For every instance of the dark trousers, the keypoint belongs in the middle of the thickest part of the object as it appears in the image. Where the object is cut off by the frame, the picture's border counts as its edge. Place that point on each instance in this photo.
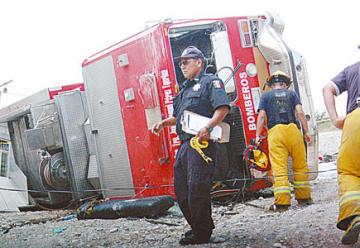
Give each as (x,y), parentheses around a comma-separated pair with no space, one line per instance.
(193,180)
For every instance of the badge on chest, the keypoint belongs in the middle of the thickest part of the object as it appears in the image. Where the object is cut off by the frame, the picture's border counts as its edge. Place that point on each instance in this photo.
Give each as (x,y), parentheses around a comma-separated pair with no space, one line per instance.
(196,87)
(216,84)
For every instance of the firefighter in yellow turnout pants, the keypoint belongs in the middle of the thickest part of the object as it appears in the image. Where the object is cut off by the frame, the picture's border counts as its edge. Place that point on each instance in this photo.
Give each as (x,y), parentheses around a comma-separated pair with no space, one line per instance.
(281,106)
(348,163)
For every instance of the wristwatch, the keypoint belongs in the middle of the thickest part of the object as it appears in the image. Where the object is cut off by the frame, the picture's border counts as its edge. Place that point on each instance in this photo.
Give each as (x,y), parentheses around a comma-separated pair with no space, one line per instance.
(209,128)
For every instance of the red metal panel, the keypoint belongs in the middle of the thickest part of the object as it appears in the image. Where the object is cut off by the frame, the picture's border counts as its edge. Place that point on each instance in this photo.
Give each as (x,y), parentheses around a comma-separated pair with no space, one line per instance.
(145,55)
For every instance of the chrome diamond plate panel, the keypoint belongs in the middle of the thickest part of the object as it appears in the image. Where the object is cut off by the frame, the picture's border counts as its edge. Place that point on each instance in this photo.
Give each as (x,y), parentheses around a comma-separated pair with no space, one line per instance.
(72,117)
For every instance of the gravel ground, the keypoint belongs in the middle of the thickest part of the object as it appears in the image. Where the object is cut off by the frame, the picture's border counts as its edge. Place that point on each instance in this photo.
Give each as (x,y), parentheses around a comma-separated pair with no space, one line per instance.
(241,226)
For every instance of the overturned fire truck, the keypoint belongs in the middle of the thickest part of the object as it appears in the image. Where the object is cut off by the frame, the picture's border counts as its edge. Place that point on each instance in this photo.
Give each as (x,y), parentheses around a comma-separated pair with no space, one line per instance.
(97,141)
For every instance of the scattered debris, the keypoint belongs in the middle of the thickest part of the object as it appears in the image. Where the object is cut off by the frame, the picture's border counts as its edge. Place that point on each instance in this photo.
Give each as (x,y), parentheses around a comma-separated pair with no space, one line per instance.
(231,212)
(69,217)
(114,230)
(218,240)
(36,220)
(161,222)
(327,158)
(58,230)
(253,205)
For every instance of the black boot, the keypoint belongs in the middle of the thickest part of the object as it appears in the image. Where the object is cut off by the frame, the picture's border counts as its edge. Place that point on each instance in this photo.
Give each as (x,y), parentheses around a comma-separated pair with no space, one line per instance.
(305,202)
(188,233)
(191,240)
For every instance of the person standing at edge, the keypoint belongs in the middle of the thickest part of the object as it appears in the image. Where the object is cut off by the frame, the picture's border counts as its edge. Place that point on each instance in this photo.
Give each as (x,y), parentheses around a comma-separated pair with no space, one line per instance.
(203,94)
(348,163)
(280,105)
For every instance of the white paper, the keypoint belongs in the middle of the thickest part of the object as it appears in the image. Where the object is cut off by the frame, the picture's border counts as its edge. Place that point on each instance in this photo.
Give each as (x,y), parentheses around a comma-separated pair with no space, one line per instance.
(192,123)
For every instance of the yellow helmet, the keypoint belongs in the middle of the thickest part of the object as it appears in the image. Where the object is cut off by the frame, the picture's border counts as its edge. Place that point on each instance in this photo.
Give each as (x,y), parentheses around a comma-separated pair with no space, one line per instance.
(278,76)
(257,159)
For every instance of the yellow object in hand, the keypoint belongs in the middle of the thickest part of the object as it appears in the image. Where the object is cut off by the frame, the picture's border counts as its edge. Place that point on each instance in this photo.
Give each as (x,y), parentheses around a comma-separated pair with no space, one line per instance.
(195,144)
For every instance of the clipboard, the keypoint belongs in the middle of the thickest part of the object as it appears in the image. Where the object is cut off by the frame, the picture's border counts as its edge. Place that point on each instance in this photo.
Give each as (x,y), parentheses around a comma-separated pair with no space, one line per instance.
(192,123)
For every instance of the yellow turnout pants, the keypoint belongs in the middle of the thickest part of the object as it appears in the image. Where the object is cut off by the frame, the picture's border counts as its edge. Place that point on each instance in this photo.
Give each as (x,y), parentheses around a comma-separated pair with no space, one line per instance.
(284,141)
(348,165)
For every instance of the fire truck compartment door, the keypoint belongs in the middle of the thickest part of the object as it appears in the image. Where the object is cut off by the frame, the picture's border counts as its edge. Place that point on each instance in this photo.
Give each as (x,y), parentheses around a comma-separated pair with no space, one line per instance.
(223,59)
(108,128)
(150,99)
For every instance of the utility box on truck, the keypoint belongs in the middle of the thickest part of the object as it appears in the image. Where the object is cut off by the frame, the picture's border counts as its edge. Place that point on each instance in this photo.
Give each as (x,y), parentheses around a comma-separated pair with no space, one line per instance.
(48,135)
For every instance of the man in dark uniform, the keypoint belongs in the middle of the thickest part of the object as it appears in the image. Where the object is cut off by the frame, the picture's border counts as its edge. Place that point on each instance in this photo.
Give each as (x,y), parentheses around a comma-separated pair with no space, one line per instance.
(205,95)
(348,163)
(281,106)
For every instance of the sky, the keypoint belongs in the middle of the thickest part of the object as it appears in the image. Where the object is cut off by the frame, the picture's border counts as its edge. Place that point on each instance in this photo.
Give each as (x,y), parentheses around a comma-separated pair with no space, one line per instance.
(44,42)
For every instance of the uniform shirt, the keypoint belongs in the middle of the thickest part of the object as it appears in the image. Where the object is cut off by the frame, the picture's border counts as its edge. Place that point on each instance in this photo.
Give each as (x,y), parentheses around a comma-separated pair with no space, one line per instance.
(203,96)
(271,118)
(348,80)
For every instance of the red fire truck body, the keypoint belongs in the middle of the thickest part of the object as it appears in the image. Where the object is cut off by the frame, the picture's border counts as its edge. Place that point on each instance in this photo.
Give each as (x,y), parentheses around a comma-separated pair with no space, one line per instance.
(131,85)
(97,142)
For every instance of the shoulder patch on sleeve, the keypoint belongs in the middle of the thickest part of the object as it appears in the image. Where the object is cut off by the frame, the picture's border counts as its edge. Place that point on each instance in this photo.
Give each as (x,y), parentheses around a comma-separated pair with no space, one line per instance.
(217,84)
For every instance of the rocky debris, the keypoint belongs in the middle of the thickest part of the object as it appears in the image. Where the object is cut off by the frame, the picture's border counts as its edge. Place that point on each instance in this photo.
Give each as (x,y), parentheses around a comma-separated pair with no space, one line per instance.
(55,215)
(243,226)
(114,230)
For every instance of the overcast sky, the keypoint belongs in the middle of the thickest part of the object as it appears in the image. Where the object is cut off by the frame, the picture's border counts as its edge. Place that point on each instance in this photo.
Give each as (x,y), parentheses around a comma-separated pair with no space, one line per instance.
(44,42)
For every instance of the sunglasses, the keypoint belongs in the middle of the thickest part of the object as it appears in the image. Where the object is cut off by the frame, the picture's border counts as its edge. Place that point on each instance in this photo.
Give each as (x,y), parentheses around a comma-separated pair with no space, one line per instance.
(185,62)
